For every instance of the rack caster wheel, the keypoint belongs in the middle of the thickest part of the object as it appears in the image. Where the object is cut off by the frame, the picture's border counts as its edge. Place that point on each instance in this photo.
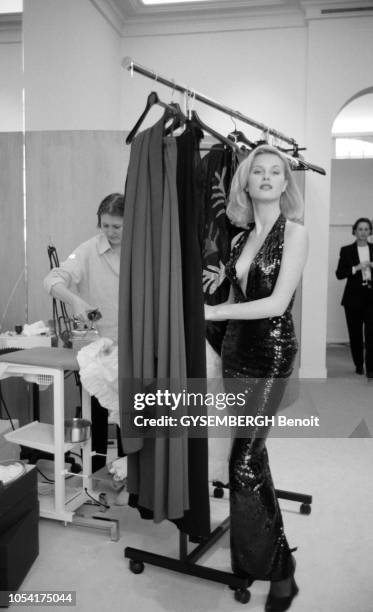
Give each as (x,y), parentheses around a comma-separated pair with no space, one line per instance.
(305,509)
(242,595)
(218,492)
(136,567)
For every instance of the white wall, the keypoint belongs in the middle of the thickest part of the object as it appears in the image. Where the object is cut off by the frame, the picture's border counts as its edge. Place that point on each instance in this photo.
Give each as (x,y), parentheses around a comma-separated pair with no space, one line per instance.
(11,82)
(243,70)
(351,198)
(339,65)
(12,284)
(72,68)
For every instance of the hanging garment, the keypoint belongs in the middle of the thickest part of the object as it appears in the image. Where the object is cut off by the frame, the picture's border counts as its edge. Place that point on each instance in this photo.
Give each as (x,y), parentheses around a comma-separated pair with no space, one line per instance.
(196,521)
(151,347)
(216,172)
(257,358)
(215,175)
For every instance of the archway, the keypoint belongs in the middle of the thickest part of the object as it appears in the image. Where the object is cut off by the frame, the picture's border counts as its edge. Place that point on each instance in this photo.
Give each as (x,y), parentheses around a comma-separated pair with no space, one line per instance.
(351,197)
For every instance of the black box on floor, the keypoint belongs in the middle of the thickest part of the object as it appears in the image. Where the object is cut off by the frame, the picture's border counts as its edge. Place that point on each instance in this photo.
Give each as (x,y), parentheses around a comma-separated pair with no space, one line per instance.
(19,531)
(17,498)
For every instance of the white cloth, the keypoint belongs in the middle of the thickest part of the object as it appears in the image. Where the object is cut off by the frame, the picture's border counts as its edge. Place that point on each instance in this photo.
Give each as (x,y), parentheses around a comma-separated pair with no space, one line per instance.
(98,363)
(35,329)
(364,255)
(93,268)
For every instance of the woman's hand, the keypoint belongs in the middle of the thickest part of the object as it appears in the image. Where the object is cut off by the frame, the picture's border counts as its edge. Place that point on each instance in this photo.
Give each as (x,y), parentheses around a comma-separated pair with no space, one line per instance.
(81,308)
(212,277)
(364,265)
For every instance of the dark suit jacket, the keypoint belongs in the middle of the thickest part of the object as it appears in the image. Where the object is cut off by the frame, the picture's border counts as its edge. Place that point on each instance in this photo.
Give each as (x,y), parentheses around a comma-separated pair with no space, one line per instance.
(354,291)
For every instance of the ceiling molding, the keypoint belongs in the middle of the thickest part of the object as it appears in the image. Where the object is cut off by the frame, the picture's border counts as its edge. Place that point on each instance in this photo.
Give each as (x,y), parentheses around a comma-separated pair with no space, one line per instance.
(136,8)
(133,18)
(135,12)
(208,24)
(110,11)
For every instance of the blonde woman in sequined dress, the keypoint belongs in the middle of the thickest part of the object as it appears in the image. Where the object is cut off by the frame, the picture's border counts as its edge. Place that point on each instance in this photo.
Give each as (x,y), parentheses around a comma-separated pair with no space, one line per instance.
(259,347)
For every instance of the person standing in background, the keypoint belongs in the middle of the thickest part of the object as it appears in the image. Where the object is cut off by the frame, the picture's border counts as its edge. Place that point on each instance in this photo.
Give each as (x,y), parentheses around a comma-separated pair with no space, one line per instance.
(356,265)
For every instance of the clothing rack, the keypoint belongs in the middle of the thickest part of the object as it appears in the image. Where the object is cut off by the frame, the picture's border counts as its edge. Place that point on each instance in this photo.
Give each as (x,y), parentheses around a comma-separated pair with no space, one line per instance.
(132,66)
(187,562)
(129,64)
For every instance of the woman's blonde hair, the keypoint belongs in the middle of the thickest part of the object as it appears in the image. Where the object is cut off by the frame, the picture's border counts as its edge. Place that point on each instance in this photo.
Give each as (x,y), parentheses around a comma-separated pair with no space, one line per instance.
(240,207)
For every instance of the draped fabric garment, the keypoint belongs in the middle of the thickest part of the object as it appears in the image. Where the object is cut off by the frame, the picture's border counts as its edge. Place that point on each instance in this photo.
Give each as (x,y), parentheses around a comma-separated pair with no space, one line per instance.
(196,521)
(216,172)
(151,348)
(215,175)
(258,357)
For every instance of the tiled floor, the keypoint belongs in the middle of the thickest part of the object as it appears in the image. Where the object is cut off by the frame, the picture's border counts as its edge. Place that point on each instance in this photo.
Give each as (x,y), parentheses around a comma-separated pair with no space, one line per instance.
(335,542)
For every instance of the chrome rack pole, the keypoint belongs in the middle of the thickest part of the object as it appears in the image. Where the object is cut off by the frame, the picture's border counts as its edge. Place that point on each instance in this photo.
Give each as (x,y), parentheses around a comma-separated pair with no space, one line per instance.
(129,64)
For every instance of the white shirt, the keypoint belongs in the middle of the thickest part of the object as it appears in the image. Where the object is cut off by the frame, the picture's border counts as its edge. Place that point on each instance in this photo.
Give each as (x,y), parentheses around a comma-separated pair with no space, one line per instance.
(364,255)
(93,268)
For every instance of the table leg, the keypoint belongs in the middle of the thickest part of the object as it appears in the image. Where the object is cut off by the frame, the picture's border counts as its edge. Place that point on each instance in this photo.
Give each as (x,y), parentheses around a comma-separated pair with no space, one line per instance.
(87,448)
(59,440)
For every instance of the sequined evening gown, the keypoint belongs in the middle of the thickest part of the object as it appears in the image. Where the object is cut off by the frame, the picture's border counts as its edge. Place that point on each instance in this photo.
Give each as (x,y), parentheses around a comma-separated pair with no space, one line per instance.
(257,357)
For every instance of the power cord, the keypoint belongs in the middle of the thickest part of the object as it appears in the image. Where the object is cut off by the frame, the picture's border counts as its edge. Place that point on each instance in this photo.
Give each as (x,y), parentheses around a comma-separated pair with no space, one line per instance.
(3,403)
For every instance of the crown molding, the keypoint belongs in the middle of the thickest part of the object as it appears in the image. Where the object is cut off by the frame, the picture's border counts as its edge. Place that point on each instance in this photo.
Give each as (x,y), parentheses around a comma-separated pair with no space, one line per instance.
(136,8)
(110,11)
(209,24)
(131,18)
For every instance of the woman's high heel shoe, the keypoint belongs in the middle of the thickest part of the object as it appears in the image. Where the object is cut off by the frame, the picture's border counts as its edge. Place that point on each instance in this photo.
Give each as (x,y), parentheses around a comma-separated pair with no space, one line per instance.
(280,604)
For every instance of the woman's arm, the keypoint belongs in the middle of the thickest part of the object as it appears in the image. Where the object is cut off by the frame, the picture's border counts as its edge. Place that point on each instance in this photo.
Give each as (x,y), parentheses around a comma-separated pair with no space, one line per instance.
(58,280)
(79,306)
(293,261)
(345,269)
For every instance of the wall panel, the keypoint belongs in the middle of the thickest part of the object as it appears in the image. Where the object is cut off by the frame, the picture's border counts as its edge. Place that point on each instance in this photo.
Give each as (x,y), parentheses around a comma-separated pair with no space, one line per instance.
(12,253)
(68,174)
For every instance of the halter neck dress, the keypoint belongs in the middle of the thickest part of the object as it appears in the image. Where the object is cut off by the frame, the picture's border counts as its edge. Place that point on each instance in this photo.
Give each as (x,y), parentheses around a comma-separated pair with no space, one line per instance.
(257,359)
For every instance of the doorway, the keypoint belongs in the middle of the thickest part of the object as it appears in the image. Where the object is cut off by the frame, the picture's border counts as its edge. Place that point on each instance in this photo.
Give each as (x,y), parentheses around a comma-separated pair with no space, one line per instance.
(351,198)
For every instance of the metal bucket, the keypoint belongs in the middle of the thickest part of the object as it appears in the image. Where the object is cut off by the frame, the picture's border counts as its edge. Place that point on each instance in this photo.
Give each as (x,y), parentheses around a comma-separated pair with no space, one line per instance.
(77,430)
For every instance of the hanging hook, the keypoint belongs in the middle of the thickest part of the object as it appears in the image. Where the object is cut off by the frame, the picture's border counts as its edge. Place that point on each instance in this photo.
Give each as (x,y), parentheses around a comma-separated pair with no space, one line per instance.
(234,123)
(186,100)
(265,135)
(173,88)
(189,102)
(193,99)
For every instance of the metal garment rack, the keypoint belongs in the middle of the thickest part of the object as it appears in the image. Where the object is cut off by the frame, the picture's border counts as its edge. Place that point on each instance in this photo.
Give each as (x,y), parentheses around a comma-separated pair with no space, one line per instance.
(187,562)
(132,66)
(301,163)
